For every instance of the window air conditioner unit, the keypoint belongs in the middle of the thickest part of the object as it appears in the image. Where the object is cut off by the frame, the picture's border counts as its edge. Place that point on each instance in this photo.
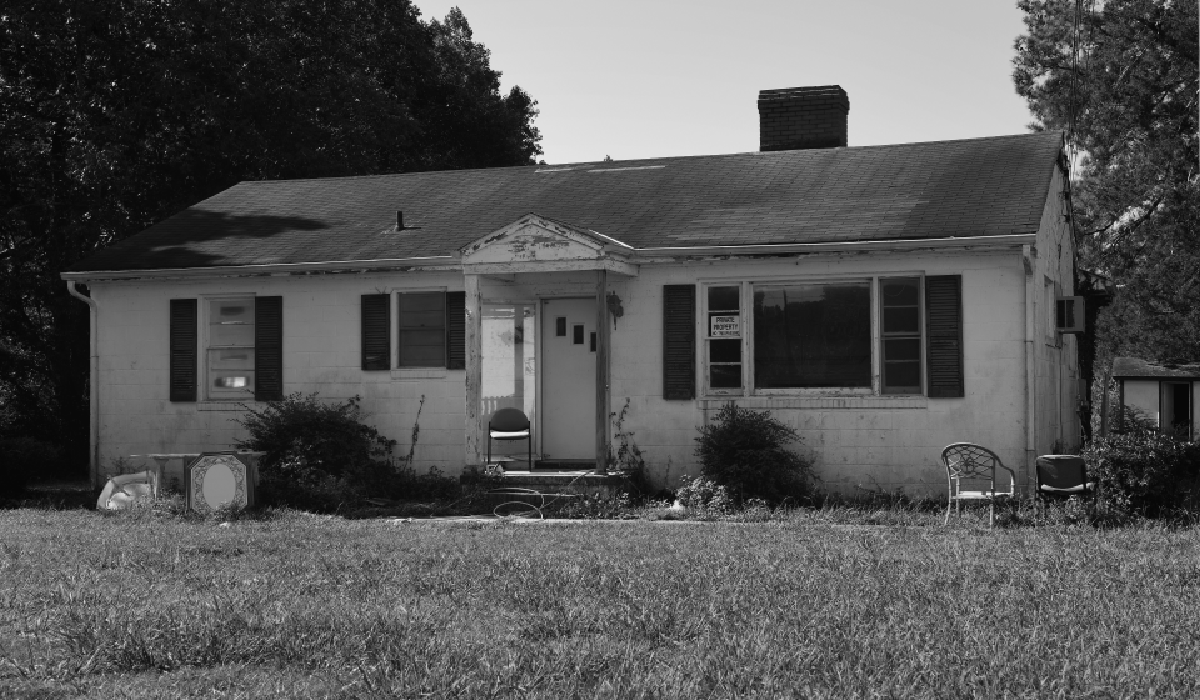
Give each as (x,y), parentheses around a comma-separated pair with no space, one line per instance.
(1069,315)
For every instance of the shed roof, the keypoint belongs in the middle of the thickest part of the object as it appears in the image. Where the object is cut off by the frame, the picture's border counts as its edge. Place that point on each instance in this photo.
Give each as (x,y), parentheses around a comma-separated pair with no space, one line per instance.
(1136,368)
(978,187)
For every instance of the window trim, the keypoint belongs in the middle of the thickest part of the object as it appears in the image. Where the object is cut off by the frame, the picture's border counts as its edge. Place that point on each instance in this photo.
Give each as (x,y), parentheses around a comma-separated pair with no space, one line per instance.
(746,296)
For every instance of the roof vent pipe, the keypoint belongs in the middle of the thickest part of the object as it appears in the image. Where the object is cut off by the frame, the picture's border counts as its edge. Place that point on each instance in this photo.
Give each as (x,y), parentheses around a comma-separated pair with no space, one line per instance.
(399,220)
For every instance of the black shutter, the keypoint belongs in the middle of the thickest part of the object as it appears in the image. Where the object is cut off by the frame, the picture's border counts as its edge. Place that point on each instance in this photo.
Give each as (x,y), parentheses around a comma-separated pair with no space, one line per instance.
(679,341)
(943,327)
(183,350)
(376,331)
(268,348)
(456,330)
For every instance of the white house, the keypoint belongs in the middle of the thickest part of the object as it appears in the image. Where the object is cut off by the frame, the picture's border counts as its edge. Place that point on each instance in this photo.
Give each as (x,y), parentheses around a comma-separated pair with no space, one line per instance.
(883,300)
(1164,394)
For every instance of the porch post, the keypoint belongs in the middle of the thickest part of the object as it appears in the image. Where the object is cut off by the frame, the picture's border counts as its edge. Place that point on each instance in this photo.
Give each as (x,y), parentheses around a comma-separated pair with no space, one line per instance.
(474,432)
(602,371)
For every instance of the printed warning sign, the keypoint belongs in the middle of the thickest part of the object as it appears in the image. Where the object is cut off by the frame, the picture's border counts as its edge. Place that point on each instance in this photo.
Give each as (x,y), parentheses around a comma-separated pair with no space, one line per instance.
(724,326)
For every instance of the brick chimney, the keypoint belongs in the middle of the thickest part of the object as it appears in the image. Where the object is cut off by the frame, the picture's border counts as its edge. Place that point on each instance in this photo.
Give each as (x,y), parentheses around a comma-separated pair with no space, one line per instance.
(802,117)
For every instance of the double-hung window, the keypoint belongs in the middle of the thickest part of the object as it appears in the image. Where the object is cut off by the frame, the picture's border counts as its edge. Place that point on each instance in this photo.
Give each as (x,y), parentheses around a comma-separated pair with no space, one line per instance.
(422,329)
(230,352)
(900,343)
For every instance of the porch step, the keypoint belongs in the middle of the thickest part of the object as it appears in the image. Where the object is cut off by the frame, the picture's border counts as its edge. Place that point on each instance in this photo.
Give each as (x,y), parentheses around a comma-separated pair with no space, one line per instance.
(564,464)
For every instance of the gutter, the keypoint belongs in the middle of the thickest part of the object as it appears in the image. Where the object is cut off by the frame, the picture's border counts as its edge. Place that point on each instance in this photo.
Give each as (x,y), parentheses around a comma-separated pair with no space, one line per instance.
(93,386)
(1008,240)
(432,262)
(453,262)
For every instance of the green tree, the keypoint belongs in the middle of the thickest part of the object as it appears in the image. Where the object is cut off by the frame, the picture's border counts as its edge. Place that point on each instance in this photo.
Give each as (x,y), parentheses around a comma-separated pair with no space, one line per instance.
(1121,77)
(117,114)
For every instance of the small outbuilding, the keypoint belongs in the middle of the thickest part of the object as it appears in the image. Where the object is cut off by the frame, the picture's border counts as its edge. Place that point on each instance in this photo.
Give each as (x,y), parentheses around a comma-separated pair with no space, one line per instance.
(1164,393)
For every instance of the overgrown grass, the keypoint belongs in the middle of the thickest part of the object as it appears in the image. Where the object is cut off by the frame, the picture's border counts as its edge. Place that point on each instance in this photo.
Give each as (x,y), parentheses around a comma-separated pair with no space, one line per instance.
(292,605)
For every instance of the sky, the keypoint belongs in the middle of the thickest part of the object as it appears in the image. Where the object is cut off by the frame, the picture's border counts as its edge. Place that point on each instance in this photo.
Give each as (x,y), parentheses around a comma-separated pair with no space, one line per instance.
(652,78)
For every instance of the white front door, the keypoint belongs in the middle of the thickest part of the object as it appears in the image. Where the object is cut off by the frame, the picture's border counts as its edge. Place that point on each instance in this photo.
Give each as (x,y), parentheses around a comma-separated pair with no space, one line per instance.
(568,407)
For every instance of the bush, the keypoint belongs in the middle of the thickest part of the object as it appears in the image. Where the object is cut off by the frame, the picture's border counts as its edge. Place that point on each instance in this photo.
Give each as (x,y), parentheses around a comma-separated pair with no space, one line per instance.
(1144,471)
(317,455)
(321,456)
(299,430)
(23,458)
(747,452)
(704,495)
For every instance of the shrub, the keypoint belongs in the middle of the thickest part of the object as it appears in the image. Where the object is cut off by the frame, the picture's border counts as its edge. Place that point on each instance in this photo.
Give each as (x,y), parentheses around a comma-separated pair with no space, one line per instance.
(317,455)
(1144,471)
(328,437)
(747,452)
(23,458)
(704,495)
(321,456)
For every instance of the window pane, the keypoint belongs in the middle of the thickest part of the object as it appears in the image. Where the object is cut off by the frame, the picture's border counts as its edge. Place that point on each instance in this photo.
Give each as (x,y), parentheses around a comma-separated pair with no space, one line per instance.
(900,292)
(812,335)
(422,348)
(905,375)
(901,320)
(423,310)
(725,376)
(723,298)
(231,322)
(230,372)
(901,349)
(724,351)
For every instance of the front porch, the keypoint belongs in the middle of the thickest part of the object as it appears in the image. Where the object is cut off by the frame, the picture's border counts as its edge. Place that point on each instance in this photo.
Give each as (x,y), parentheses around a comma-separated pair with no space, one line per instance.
(539,314)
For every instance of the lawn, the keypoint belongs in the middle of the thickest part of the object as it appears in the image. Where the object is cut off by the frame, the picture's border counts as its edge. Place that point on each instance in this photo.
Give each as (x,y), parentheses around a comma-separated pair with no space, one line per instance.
(307,606)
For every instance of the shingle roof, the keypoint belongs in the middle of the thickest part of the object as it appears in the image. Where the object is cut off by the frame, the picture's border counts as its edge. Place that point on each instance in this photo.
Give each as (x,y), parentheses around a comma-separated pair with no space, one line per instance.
(1136,368)
(977,187)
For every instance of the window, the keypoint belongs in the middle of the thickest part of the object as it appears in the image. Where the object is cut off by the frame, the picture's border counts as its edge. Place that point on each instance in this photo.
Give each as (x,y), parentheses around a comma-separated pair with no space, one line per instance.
(230,348)
(724,336)
(812,335)
(882,335)
(900,343)
(422,323)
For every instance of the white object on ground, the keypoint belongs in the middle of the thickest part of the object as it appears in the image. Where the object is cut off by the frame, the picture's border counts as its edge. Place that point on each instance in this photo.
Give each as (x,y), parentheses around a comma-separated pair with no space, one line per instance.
(124,491)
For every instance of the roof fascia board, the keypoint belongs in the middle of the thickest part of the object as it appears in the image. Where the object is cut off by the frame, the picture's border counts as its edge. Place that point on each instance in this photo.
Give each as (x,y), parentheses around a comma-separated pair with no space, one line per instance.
(434,262)
(1009,240)
(453,262)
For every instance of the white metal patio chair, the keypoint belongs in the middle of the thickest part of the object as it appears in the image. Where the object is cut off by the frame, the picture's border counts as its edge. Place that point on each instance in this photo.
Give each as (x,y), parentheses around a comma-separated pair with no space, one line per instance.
(976,465)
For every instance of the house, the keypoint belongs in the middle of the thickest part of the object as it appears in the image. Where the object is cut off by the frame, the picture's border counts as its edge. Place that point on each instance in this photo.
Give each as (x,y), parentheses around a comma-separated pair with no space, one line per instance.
(1166,394)
(883,300)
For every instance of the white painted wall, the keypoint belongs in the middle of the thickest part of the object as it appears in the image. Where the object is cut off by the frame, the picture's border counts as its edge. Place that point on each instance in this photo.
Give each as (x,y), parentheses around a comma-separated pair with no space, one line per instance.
(1056,423)
(882,443)
(321,329)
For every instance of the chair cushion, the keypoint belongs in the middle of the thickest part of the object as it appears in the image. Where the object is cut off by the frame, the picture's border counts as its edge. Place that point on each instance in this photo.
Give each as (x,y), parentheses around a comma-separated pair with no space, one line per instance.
(509,434)
(1079,488)
(976,495)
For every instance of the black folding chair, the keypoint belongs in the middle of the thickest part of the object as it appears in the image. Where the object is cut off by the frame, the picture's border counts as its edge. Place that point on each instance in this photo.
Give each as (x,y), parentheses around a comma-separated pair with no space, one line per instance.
(509,424)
